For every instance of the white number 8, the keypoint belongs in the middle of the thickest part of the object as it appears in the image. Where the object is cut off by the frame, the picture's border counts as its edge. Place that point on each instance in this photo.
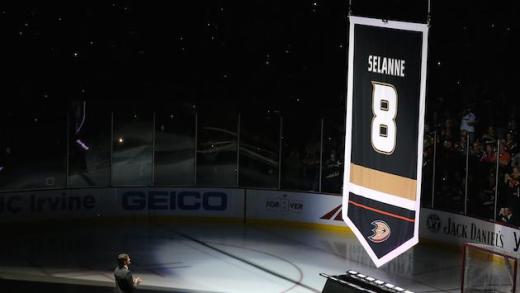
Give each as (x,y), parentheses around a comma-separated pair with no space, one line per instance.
(384,108)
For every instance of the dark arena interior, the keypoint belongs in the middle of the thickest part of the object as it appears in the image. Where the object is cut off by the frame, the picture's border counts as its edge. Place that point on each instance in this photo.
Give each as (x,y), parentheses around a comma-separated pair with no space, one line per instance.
(205,146)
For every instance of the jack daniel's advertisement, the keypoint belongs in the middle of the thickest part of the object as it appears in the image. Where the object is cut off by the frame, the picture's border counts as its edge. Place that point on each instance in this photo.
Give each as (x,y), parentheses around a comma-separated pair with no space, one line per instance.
(458,229)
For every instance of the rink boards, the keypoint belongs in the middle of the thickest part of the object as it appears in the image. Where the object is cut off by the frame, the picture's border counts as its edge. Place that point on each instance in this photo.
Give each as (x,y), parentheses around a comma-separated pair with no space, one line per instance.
(243,205)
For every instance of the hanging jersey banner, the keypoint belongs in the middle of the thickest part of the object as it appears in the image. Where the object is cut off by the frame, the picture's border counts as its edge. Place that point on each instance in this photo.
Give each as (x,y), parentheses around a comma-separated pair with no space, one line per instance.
(385,121)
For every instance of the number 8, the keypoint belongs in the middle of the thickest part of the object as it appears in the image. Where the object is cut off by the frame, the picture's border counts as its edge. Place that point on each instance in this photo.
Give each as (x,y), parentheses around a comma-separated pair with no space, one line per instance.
(384,108)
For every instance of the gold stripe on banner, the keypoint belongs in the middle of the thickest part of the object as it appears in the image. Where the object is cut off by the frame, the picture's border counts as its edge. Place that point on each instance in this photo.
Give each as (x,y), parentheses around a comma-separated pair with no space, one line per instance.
(383,182)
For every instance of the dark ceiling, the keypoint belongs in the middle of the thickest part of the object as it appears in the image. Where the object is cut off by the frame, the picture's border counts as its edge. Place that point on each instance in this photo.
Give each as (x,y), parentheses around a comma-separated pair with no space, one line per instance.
(240,53)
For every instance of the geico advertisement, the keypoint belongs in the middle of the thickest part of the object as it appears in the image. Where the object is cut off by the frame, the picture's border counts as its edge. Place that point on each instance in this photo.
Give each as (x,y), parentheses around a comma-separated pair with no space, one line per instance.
(181,201)
(125,201)
(458,229)
(37,204)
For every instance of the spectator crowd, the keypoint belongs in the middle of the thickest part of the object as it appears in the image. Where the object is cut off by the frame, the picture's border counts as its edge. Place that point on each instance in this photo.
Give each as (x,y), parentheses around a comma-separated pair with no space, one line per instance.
(476,161)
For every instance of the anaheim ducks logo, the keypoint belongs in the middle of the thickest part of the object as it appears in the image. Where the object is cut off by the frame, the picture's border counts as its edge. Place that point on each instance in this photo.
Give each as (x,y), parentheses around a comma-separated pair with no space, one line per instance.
(381,231)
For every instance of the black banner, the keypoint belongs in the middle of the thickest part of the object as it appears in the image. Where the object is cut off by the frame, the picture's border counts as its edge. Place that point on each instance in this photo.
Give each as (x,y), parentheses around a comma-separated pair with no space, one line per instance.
(385,120)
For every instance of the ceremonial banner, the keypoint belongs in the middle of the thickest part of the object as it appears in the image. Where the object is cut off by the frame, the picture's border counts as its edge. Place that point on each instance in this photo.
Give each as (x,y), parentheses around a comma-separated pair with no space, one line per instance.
(384,135)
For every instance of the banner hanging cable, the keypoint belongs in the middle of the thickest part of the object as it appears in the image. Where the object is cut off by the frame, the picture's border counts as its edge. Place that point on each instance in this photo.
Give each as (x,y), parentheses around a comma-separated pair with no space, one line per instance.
(429,15)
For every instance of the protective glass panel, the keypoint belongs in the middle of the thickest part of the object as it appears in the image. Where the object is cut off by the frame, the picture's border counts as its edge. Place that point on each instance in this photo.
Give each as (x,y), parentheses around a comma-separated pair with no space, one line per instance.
(301,153)
(259,149)
(132,149)
(89,145)
(482,180)
(217,148)
(428,169)
(450,173)
(175,147)
(333,153)
(33,149)
(508,187)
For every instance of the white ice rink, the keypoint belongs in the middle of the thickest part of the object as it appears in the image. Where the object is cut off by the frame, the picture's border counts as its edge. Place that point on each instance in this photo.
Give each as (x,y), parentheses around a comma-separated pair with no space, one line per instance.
(214,257)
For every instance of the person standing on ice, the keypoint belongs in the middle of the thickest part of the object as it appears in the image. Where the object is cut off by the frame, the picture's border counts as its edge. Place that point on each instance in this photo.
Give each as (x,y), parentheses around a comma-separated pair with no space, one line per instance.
(125,282)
